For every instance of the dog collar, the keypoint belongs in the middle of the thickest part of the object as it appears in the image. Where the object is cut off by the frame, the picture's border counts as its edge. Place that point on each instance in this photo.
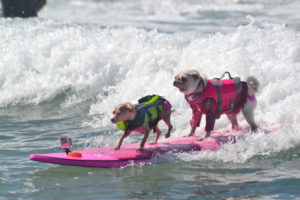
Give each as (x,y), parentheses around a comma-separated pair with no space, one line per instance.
(193,96)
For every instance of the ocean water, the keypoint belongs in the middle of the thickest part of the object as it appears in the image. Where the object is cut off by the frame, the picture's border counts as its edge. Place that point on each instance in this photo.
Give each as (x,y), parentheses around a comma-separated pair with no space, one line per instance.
(62,74)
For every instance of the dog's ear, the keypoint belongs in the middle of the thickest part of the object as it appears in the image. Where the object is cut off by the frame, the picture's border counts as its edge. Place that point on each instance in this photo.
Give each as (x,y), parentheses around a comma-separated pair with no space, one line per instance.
(116,109)
(195,75)
(130,107)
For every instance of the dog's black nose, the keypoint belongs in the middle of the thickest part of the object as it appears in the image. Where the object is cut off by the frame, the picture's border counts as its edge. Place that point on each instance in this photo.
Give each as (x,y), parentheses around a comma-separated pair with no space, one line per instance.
(177,83)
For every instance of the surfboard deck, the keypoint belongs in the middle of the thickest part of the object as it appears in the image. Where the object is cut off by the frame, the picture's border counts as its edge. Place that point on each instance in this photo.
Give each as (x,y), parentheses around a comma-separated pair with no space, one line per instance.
(107,157)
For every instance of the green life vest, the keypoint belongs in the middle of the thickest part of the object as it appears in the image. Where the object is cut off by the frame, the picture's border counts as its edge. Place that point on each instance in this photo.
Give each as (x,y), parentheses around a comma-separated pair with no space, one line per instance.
(148,110)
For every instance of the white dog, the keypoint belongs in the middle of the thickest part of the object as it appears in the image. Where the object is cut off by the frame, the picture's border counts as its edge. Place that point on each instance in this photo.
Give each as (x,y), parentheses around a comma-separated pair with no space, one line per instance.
(216,97)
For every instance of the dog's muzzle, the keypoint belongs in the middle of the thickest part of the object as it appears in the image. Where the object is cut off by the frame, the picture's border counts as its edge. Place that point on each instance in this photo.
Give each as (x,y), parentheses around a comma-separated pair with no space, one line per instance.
(177,83)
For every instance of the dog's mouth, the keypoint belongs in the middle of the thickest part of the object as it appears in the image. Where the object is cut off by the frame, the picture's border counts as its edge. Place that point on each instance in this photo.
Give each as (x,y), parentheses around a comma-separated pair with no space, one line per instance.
(114,121)
(181,88)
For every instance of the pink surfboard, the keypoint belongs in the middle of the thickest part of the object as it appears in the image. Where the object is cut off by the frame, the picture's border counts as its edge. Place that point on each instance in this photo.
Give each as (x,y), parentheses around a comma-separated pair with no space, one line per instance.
(107,157)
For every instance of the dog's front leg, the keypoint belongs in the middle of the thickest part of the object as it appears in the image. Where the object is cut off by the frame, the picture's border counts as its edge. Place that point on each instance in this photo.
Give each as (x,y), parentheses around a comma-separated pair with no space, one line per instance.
(192,132)
(125,134)
(196,119)
(146,134)
(210,123)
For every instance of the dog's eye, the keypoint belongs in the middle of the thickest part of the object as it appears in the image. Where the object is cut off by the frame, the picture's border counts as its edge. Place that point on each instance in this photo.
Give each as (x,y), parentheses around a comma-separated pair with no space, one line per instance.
(183,79)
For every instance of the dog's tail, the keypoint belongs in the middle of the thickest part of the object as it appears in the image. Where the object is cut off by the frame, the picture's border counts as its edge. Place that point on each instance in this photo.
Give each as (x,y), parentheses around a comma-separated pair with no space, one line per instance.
(253,83)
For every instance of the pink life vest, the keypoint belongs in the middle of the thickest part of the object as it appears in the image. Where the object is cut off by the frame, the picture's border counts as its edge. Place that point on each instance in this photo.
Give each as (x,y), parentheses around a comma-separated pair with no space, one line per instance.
(224,92)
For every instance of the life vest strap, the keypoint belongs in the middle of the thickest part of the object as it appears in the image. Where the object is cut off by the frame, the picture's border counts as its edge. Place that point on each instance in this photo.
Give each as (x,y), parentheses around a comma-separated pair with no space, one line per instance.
(228,73)
(220,104)
(193,97)
(149,99)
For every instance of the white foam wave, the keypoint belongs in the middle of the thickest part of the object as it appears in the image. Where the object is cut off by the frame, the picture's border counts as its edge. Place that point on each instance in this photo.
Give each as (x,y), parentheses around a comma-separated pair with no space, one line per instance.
(247,147)
(42,59)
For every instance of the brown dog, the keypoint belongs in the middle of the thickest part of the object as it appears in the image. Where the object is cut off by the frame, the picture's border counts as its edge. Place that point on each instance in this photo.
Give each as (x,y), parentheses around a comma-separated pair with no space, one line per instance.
(216,97)
(142,118)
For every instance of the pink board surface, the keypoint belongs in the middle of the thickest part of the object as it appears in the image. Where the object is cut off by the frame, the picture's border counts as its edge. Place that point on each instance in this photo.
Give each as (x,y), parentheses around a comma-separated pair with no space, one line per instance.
(107,157)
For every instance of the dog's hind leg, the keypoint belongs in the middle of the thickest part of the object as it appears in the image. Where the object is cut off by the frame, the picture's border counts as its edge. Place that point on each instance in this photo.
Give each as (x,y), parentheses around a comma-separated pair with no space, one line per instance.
(167,119)
(248,112)
(158,132)
(233,120)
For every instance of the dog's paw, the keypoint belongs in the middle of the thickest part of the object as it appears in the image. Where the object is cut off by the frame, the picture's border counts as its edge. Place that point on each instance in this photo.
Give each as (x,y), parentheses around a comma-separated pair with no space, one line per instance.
(116,148)
(254,129)
(167,135)
(152,143)
(206,135)
(203,138)
(140,149)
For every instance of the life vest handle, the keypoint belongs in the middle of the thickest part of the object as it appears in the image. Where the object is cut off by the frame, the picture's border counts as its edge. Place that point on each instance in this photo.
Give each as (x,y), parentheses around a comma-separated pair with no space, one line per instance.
(229,75)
